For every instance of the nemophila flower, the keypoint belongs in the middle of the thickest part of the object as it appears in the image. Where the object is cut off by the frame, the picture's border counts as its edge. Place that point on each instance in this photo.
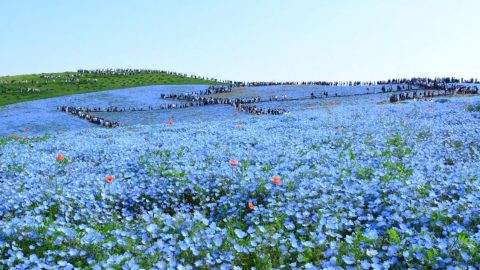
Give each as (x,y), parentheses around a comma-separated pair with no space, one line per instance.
(388,202)
(348,259)
(372,252)
(276,180)
(233,162)
(371,234)
(152,228)
(60,157)
(365,264)
(239,233)
(217,240)
(109,179)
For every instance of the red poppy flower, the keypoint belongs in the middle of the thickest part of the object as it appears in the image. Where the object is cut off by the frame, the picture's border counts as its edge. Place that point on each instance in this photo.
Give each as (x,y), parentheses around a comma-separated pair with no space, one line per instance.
(276,180)
(233,162)
(60,157)
(429,108)
(170,121)
(26,129)
(239,126)
(109,179)
(250,206)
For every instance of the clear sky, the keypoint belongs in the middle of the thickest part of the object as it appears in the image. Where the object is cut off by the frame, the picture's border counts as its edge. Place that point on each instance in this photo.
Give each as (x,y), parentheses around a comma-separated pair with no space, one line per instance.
(245,39)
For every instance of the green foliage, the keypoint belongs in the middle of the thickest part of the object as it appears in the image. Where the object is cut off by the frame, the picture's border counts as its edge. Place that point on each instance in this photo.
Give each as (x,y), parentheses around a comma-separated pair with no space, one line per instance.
(425,134)
(351,155)
(180,153)
(396,171)
(394,168)
(473,108)
(15,168)
(7,139)
(400,149)
(267,168)
(396,141)
(424,189)
(209,160)
(465,241)
(243,167)
(393,237)
(315,147)
(365,173)
(163,154)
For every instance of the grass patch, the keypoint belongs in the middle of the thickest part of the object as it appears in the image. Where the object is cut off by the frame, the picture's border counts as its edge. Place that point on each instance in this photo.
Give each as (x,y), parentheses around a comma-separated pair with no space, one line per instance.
(15,89)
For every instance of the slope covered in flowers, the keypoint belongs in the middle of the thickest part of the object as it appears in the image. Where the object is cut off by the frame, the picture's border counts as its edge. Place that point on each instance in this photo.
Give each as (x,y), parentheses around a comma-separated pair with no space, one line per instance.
(355,185)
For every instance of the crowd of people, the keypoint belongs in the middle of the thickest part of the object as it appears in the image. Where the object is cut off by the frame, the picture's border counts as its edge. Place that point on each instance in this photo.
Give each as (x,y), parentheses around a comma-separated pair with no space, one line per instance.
(278,98)
(448,91)
(83,114)
(22,89)
(217,89)
(253,109)
(205,101)
(319,83)
(413,82)
(125,71)
(426,83)
(429,81)
(255,84)
(133,71)
(194,96)
(323,95)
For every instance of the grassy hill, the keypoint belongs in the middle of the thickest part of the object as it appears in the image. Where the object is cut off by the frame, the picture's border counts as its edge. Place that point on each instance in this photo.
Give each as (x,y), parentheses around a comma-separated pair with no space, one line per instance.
(20,88)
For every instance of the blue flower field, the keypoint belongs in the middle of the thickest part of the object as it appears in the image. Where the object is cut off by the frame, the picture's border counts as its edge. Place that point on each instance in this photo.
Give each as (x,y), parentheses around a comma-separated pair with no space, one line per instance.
(350,184)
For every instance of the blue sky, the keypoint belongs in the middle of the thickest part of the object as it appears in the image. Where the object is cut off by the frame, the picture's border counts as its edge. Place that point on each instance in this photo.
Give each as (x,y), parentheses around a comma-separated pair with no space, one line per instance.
(247,39)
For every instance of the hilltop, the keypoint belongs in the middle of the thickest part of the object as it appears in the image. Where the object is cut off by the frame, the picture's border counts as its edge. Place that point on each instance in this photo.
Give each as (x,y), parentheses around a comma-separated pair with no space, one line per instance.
(20,88)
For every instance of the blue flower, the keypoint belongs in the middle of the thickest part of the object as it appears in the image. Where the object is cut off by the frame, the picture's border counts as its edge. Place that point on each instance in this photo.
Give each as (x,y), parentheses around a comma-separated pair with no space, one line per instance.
(239,233)
(152,228)
(372,252)
(348,259)
(217,239)
(371,234)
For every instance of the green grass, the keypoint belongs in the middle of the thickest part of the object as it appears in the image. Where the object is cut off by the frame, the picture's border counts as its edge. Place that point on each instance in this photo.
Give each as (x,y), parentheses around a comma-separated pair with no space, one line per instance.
(10,85)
